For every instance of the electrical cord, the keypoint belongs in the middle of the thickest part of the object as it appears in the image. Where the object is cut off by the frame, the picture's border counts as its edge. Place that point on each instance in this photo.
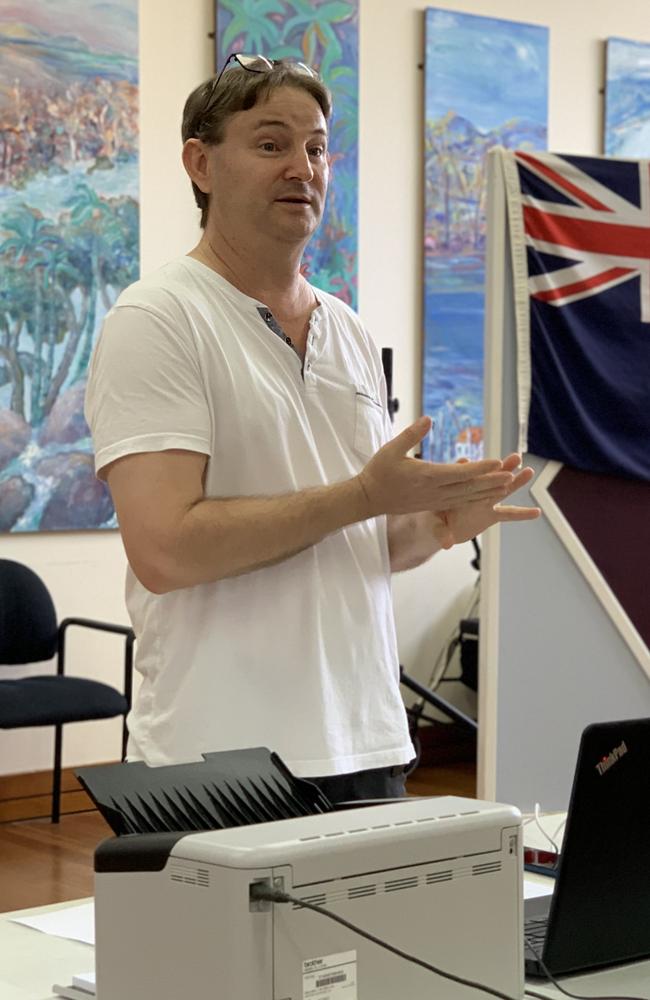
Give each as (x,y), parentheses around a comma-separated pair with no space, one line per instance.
(551,978)
(450,645)
(262,891)
(536,818)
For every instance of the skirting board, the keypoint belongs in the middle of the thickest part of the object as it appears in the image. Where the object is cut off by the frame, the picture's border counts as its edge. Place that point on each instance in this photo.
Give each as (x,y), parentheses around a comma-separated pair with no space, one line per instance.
(29,796)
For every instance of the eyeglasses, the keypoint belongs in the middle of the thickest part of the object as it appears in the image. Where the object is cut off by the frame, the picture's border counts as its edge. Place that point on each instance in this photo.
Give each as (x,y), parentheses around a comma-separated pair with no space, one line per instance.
(255,64)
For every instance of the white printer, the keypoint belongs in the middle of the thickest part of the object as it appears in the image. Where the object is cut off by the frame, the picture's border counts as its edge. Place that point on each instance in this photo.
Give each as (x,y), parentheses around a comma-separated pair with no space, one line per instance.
(440,878)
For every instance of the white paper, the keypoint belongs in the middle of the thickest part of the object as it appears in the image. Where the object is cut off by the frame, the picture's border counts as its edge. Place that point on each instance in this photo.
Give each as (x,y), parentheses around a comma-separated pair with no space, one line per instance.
(534,889)
(76,922)
(85,981)
(71,992)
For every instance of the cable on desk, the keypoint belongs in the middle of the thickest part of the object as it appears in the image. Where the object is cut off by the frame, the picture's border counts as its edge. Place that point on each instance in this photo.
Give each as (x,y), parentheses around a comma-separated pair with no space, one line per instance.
(551,978)
(536,819)
(262,891)
(265,892)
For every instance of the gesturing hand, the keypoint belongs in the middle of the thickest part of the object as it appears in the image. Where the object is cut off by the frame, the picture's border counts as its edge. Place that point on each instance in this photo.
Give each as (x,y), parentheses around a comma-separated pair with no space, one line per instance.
(393,483)
(461,523)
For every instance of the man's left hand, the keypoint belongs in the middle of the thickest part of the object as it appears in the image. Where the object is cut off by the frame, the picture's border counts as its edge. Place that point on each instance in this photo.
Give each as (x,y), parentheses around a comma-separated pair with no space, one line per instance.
(462,523)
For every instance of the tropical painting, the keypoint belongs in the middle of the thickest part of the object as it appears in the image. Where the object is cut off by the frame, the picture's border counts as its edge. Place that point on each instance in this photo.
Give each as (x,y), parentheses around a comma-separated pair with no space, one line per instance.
(69,237)
(486,84)
(324,34)
(627,99)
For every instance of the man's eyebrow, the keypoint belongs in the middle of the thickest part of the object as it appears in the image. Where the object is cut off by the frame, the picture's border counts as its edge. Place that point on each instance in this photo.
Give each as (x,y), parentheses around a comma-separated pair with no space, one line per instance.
(271,122)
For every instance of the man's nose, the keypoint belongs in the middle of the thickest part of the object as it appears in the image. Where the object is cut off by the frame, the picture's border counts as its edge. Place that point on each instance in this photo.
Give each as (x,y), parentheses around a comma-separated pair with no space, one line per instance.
(300,165)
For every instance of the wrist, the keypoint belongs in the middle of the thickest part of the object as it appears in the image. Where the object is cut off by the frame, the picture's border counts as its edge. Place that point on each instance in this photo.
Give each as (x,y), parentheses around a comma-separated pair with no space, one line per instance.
(441,532)
(360,501)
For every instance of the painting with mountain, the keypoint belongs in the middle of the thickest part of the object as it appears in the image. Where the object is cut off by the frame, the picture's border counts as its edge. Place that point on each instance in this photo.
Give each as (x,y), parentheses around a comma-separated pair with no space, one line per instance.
(486,84)
(324,34)
(69,238)
(627,99)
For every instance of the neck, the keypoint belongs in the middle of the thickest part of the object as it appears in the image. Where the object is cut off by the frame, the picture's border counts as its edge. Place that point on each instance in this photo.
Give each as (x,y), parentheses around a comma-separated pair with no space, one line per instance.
(268,274)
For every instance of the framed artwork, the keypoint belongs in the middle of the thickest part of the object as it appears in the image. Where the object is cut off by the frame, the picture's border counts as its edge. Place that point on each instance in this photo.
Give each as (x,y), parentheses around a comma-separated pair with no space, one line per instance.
(486,85)
(69,237)
(325,35)
(627,98)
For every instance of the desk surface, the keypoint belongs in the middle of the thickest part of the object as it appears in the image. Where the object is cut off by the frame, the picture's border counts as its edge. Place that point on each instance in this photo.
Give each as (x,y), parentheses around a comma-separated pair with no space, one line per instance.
(30,962)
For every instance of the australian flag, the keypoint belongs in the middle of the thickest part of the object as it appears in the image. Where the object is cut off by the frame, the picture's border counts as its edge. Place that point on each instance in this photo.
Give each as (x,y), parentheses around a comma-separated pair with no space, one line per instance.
(586,226)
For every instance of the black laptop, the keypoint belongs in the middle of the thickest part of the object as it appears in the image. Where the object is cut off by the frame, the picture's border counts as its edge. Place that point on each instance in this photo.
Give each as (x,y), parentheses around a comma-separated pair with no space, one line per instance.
(599,913)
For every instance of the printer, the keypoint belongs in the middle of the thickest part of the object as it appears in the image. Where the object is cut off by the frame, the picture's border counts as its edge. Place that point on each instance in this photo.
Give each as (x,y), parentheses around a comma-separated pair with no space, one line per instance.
(440,878)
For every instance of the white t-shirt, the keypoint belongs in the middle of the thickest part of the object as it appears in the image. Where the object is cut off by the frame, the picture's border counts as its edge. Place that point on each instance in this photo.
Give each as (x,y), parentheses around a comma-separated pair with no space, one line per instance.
(301,656)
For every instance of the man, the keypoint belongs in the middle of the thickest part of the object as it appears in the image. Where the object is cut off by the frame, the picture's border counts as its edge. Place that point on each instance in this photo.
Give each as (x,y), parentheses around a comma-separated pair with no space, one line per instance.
(239,418)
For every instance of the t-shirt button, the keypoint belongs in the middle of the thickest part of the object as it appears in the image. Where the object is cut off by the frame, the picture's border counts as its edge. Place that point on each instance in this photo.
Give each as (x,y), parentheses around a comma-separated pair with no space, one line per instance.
(268,316)
(309,366)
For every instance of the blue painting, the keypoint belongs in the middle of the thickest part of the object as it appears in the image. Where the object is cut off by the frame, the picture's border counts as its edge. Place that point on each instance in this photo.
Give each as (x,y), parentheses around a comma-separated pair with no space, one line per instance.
(627,99)
(324,34)
(486,84)
(69,237)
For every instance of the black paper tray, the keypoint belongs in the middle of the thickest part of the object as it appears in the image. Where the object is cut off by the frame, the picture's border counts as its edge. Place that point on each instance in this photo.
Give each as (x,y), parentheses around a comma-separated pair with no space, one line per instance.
(229,788)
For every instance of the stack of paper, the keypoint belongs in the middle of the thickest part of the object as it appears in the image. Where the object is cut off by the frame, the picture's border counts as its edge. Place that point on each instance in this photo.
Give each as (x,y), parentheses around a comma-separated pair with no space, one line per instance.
(81,988)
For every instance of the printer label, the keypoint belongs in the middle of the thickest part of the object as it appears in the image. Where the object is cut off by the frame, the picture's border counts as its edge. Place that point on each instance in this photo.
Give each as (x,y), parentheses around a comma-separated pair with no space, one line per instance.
(332,977)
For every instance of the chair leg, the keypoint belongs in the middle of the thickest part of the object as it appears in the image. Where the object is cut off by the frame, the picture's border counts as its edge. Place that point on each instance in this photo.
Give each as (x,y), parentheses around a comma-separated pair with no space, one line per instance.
(125,738)
(56,777)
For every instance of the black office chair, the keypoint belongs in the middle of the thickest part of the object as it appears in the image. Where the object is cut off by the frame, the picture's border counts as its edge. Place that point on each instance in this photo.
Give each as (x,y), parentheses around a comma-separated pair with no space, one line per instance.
(29,633)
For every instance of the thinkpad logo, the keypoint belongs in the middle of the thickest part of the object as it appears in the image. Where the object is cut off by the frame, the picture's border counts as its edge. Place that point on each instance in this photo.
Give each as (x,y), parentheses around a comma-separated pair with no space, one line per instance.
(612,758)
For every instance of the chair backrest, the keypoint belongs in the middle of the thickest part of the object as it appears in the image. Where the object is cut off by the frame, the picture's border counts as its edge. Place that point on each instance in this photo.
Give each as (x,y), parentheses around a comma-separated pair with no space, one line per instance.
(28,625)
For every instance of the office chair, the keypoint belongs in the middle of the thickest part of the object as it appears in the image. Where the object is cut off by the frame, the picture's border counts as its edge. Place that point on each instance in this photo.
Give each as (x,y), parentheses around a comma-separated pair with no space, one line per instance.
(29,633)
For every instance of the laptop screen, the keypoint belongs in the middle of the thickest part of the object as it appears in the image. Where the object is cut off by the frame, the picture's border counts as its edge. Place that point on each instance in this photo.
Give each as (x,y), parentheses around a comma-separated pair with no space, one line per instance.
(600,912)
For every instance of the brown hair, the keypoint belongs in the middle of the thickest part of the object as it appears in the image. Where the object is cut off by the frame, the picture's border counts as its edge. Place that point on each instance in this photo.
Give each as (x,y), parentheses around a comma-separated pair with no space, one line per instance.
(206,112)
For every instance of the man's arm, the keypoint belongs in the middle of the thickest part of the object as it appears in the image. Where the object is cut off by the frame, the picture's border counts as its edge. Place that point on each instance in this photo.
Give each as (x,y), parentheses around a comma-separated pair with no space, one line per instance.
(414,538)
(175,537)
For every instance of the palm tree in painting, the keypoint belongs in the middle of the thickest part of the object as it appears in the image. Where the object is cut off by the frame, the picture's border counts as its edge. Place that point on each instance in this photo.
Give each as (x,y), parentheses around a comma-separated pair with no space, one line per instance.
(252,20)
(92,219)
(317,34)
(30,240)
(16,302)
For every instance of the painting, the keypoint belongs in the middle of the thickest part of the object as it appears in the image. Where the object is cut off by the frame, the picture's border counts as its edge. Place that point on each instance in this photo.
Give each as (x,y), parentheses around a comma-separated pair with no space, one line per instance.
(627,99)
(324,34)
(486,84)
(69,238)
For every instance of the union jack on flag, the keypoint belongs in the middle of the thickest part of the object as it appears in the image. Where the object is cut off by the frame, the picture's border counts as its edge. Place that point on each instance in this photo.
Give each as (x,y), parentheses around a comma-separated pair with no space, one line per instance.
(580,238)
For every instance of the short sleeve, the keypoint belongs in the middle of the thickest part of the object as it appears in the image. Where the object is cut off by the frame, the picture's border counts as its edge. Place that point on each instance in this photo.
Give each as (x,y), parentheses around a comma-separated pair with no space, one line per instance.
(145,390)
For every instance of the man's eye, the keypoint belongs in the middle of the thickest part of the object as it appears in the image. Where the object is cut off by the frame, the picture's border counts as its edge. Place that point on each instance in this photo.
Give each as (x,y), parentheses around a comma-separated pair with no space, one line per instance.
(317,151)
(269,147)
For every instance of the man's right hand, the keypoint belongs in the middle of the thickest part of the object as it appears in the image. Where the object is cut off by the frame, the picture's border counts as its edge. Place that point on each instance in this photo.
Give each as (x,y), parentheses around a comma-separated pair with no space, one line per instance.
(393,483)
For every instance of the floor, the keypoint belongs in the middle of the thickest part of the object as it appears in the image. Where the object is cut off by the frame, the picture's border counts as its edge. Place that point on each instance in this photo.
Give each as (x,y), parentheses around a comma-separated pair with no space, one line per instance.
(43,863)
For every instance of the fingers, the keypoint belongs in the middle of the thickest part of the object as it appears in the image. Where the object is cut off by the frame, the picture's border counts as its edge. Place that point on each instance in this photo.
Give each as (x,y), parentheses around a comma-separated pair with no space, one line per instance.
(521,479)
(512,461)
(505,513)
(410,436)
(497,484)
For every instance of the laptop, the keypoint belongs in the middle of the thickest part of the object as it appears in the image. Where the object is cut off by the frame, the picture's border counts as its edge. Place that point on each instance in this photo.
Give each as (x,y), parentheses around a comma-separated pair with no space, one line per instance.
(599,912)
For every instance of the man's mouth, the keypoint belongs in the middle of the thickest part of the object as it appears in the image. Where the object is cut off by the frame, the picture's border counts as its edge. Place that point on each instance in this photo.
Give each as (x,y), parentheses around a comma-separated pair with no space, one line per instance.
(296,200)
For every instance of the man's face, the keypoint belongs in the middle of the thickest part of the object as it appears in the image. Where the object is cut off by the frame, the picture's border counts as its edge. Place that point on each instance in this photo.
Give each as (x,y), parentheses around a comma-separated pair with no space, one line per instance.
(270,172)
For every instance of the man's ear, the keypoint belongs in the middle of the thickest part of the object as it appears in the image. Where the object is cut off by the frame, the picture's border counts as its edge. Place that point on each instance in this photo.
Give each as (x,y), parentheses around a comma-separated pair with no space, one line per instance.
(195,161)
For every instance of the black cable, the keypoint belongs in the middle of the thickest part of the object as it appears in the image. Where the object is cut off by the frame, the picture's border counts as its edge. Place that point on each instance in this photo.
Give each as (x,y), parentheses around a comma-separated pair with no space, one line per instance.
(551,978)
(262,891)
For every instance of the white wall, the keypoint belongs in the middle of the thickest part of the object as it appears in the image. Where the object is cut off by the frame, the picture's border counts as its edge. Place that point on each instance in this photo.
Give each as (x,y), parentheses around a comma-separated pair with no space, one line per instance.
(85,571)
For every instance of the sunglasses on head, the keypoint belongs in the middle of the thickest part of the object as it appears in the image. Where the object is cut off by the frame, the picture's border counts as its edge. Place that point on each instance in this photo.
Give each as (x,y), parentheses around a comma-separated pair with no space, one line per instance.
(255,64)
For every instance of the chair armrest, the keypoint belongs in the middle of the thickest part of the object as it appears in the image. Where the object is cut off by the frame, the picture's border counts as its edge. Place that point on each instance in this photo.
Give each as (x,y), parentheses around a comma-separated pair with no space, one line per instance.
(125,630)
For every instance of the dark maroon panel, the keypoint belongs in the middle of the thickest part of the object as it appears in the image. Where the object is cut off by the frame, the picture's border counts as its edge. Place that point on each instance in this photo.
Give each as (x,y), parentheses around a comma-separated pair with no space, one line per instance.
(611,517)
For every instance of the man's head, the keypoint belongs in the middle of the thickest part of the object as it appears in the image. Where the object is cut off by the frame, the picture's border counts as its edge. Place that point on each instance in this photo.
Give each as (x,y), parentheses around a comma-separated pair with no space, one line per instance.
(284,108)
